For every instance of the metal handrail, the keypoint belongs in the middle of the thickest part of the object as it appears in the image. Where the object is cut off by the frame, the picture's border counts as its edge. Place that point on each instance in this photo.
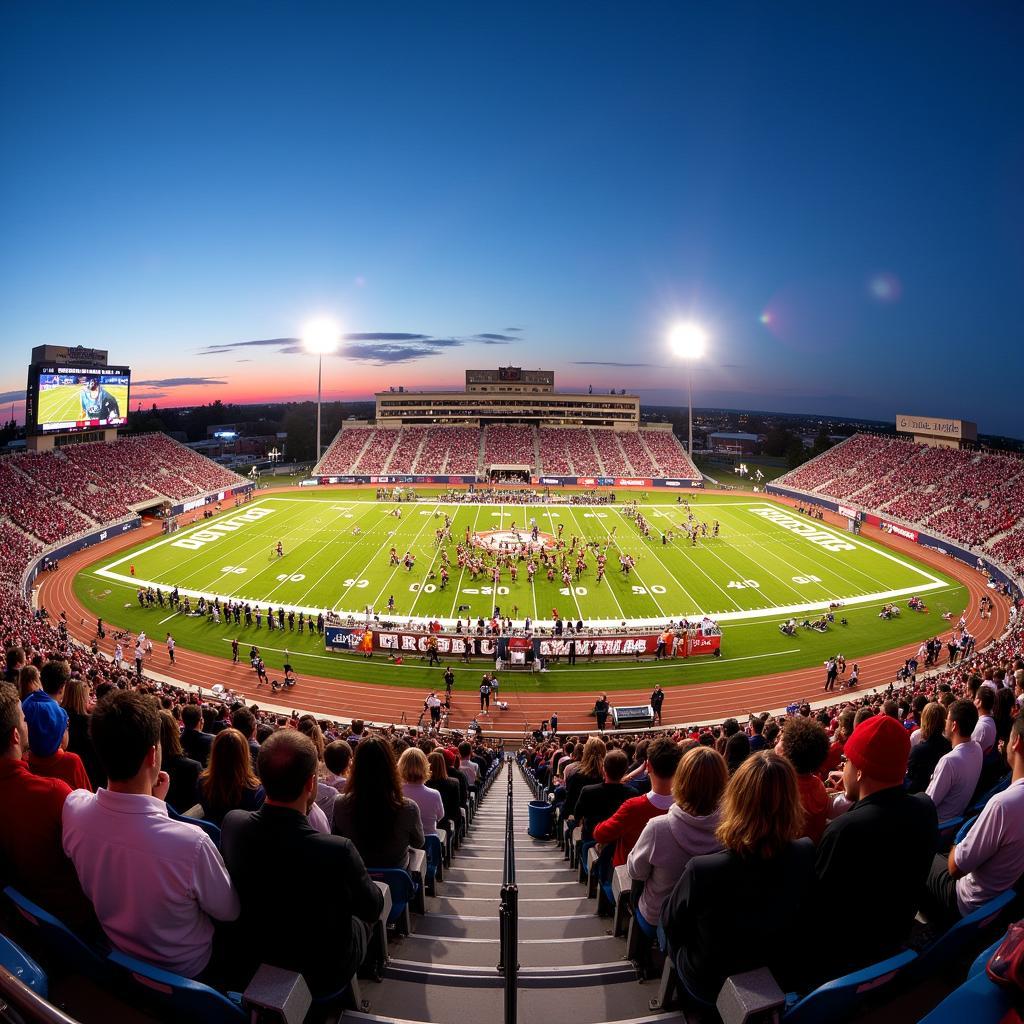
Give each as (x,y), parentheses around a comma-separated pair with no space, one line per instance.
(508,913)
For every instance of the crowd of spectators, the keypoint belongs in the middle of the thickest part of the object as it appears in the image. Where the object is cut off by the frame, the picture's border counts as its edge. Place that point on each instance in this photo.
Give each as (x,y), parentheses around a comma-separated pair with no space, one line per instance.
(377,451)
(508,445)
(573,451)
(711,821)
(98,767)
(669,455)
(968,496)
(58,494)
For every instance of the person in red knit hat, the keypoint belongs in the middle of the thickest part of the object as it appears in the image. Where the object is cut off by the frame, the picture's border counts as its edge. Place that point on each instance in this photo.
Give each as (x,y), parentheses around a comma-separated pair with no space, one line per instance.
(882,848)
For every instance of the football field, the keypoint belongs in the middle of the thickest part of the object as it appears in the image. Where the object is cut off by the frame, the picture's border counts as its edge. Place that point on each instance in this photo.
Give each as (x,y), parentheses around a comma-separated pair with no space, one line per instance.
(336,557)
(767,564)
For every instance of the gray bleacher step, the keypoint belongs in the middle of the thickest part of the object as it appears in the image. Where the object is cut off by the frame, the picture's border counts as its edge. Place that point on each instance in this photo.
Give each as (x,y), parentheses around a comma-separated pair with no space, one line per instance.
(476,923)
(527,890)
(404,1002)
(445,903)
(447,951)
(463,872)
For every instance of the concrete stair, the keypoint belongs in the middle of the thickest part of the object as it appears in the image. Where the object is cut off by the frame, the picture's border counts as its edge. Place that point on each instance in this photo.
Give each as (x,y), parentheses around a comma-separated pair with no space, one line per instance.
(571,967)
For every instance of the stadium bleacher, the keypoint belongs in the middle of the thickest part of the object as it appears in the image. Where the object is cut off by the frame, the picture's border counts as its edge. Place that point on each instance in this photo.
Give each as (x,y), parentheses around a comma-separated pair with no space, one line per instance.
(973,497)
(572,957)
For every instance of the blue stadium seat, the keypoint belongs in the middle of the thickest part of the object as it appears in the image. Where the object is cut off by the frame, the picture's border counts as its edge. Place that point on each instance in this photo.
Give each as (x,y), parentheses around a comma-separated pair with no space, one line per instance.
(23,967)
(979,804)
(68,949)
(839,999)
(208,827)
(403,891)
(982,959)
(178,998)
(976,999)
(435,861)
(964,829)
(964,935)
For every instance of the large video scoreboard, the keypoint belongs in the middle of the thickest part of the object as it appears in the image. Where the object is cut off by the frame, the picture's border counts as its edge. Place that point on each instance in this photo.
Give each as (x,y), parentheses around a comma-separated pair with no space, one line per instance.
(75,394)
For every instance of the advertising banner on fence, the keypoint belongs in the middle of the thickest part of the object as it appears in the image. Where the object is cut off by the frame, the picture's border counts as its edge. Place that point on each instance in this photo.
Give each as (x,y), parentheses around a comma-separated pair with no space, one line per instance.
(899,531)
(400,642)
(850,513)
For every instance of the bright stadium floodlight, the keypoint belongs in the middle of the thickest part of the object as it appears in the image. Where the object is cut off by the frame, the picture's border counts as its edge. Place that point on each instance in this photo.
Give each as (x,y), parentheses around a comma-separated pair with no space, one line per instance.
(320,337)
(688,341)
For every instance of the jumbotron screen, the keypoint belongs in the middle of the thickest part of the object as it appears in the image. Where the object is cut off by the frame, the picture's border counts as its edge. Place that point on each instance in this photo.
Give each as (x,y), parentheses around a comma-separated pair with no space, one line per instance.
(71,398)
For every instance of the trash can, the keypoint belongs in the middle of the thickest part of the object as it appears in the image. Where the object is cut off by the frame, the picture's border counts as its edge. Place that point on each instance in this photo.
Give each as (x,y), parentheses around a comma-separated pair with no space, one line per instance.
(540,819)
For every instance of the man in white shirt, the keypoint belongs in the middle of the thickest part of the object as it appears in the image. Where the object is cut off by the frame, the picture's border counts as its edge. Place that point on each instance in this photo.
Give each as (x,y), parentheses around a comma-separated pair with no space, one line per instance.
(955,777)
(155,883)
(990,860)
(985,731)
(466,766)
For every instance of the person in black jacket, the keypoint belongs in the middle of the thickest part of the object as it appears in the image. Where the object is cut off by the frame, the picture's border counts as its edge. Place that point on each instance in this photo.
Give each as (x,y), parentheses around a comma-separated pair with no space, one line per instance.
(323,870)
(711,931)
(599,802)
(883,845)
(446,786)
(657,700)
(194,742)
(930,747)
(601,711)
(183,771)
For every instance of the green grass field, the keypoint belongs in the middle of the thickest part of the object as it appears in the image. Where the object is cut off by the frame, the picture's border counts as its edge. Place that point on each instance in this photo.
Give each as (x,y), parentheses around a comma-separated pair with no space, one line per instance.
(761,569)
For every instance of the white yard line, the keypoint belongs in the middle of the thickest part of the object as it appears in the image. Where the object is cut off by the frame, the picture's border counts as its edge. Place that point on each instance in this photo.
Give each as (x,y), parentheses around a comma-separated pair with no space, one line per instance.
(611,589)
(416,536)
(572,588)
(462,574)
(341,558)
(622,520)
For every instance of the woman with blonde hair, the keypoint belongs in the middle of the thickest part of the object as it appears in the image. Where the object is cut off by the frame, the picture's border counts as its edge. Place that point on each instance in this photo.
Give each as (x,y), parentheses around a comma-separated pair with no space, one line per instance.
(928,745)
(589,773)
(708,920)
(76,703)
(669,841)
(228,783)
(414,770)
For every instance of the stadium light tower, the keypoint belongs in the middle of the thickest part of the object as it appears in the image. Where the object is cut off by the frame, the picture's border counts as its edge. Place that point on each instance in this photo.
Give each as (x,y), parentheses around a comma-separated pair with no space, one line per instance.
(320,337)
(688,341)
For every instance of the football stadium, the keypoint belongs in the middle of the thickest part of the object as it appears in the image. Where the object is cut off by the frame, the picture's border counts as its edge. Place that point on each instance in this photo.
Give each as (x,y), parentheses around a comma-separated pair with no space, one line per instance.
(463,687)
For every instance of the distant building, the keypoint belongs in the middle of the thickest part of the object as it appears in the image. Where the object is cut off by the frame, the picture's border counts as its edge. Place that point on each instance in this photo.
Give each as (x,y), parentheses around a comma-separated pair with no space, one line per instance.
(726,443)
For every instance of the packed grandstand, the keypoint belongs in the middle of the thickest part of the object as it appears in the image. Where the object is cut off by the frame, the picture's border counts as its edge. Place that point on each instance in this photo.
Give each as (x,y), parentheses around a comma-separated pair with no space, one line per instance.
(692,827)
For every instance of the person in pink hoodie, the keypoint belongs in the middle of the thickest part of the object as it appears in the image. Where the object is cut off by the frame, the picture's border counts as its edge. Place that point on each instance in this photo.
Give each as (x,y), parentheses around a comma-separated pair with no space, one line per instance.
(688,830)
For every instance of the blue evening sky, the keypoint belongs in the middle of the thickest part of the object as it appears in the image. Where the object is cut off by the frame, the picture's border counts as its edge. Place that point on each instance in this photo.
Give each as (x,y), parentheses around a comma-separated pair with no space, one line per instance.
(834,190)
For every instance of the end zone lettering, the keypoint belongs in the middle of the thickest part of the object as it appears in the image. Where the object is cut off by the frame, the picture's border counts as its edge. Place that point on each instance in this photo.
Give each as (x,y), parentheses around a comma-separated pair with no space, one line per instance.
(196,540)
(829,541)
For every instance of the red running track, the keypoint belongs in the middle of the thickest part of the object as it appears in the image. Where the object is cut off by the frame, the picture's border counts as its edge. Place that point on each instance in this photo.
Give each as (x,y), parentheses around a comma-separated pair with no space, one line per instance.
(691,703)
